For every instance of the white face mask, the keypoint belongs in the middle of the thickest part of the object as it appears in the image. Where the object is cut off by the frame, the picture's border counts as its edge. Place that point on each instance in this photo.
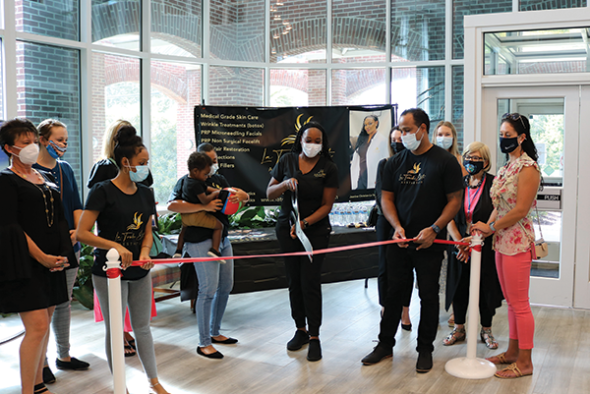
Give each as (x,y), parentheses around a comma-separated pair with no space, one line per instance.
(214,168)
(410,141)
(311,150)
(28,155)
(444,142)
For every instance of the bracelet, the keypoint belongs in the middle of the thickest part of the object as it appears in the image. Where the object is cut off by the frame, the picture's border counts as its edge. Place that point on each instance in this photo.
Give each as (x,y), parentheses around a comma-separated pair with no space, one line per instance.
(492,226)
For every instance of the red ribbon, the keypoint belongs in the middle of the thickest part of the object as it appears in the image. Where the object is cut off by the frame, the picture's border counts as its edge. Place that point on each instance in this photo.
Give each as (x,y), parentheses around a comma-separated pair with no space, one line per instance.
(113,273)
(303,253)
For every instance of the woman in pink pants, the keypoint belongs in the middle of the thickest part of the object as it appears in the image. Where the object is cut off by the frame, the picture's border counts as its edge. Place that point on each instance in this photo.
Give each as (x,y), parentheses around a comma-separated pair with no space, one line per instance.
(513,194)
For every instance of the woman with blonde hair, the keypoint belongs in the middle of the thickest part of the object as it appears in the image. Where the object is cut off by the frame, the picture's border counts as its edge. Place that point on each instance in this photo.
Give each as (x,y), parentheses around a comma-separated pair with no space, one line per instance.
(445,136)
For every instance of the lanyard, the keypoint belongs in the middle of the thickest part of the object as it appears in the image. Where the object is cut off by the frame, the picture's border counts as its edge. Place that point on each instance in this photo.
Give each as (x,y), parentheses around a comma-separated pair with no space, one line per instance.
(469,199)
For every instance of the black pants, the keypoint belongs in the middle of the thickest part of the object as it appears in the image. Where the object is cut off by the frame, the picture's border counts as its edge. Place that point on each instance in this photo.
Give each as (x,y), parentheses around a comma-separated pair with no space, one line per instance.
(305,277)
(400,263)
(385,232)
(461,300)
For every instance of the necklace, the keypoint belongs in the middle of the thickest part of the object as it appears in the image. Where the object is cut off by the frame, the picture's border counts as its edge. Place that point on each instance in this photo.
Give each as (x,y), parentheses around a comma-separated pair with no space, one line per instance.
(42,189)
(478,184)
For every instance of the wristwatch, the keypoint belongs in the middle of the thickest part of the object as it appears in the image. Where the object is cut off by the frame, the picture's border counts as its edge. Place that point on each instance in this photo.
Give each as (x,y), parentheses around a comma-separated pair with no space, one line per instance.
(492,226)
(435,228)
(305,223)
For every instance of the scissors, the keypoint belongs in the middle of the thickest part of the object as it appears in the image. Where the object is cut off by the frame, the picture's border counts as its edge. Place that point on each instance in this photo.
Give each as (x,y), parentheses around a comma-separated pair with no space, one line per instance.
(295,216)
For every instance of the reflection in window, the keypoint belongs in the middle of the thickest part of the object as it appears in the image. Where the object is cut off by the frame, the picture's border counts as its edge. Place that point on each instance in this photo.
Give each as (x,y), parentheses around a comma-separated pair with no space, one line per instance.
(115,95)
(297,87)
(298,27)
(177,27)
(237,30)
(418,30)
(176,90)
(457,103)
(462,8)
(49,18)
(48,86)
(358,87)
(551,228)
(349,19)
(537,51)
(116,23)
(236,86)
(422,87)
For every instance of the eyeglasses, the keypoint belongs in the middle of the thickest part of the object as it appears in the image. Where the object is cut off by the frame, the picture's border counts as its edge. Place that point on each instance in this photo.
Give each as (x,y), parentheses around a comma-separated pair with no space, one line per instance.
(515,116)
(473,158)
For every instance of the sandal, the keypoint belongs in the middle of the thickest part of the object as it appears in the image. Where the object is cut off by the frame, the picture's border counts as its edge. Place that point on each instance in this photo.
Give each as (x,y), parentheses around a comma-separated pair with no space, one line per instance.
(500,359)
(153,388)
(514,369)
(132,344)
(40,388)
(458,334)
(488,338)
(451,320)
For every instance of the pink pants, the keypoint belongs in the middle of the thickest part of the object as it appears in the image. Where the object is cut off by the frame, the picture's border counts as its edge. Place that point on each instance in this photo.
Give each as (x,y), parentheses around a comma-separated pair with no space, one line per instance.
(514,275)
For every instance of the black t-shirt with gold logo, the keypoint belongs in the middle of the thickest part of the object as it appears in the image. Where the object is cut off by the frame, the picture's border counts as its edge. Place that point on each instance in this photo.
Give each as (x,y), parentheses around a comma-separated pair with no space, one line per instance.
(122,218)
(420,185)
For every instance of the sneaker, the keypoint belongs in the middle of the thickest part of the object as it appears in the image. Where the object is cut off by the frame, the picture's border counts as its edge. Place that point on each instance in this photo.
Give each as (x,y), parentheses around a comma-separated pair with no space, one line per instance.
(74,364)
(299,339)
(379,353)
(488,338)
(215,253)
(48,376)
(314,351)
(424,363)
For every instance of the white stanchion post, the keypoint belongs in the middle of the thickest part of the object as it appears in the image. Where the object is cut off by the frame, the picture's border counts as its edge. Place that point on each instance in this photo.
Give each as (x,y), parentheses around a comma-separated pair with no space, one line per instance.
(116,320)
(471,367)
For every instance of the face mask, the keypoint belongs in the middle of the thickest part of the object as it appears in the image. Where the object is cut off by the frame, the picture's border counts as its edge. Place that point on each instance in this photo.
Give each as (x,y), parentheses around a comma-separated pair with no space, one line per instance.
(507,145)
(214,168)
(28,155)
(444,142)
(397,147)
(311,150)
(473,167)
(141,172)
(410,141)
(53,150)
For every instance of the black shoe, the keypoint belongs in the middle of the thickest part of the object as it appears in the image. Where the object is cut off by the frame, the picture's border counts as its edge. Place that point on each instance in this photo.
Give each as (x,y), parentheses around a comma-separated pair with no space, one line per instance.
(424,363)
(216,355)
(299,339)
(74,364)
(379,353)
(314,351)
(228,341)
(48,376)
(407,327)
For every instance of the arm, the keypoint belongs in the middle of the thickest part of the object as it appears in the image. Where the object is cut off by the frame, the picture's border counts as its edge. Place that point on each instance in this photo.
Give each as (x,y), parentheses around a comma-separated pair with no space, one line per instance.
(85,235)
(328,198)
(454,231)
(181,206)
(77,213)
(207,198)
(275,188)
(426,236)
(390,213)
(54,263)
(528,184)
(146,246)
(240,195)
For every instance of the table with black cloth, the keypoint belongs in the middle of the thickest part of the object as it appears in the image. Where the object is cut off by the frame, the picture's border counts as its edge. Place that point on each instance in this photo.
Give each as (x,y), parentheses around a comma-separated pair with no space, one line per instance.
(264,273)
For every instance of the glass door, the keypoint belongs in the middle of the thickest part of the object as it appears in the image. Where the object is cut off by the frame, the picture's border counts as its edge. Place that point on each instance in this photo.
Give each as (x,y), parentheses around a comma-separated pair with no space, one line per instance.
(553,113)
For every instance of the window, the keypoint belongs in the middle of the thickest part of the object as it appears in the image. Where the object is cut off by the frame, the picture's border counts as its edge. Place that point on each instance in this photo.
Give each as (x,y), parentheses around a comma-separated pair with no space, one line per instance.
(236,86)
(177,27)
(116,23)
(422,87)
(358,87)
(53,18)
(290,87)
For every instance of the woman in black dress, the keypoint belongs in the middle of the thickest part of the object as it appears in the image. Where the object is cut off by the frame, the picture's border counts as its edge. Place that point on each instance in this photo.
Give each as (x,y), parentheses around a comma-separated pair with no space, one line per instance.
(309,169)
(477,206)
(34,241)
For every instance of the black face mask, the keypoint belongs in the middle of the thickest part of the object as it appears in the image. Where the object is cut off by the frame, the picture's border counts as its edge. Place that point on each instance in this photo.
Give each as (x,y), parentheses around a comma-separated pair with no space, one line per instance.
(473,167)
(507,145)
(397,147)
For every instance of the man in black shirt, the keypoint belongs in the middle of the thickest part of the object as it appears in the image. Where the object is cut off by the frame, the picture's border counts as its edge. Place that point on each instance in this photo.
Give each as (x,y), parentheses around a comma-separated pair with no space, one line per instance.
(421,193)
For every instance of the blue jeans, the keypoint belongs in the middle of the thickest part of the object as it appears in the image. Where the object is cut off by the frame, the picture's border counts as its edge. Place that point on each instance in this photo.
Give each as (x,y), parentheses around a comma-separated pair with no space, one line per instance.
(215,283)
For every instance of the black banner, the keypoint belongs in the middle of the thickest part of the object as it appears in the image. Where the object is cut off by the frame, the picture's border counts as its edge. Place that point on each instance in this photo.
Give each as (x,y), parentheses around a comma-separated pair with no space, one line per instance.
(250,141)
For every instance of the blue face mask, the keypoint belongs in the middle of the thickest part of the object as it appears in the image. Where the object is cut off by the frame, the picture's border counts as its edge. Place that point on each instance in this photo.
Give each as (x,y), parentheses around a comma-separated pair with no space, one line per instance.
(52,149)
(140,174)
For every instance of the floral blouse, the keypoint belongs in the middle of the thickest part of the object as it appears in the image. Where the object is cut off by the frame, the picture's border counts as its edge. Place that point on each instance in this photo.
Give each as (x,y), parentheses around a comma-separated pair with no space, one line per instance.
(518,237)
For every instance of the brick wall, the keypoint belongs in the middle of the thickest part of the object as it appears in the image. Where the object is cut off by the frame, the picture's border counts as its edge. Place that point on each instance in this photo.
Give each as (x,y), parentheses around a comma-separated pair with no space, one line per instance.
(54,18)
(48,86)
(534,5)
(457,103)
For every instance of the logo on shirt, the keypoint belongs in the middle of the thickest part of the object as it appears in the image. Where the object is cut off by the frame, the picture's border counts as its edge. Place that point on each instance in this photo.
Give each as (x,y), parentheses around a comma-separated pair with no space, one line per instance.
(136,222)
(413,176)
(320,174)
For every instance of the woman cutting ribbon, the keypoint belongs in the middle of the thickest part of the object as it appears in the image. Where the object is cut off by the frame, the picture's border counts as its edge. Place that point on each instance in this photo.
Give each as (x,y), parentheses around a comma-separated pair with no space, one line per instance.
(309,169)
